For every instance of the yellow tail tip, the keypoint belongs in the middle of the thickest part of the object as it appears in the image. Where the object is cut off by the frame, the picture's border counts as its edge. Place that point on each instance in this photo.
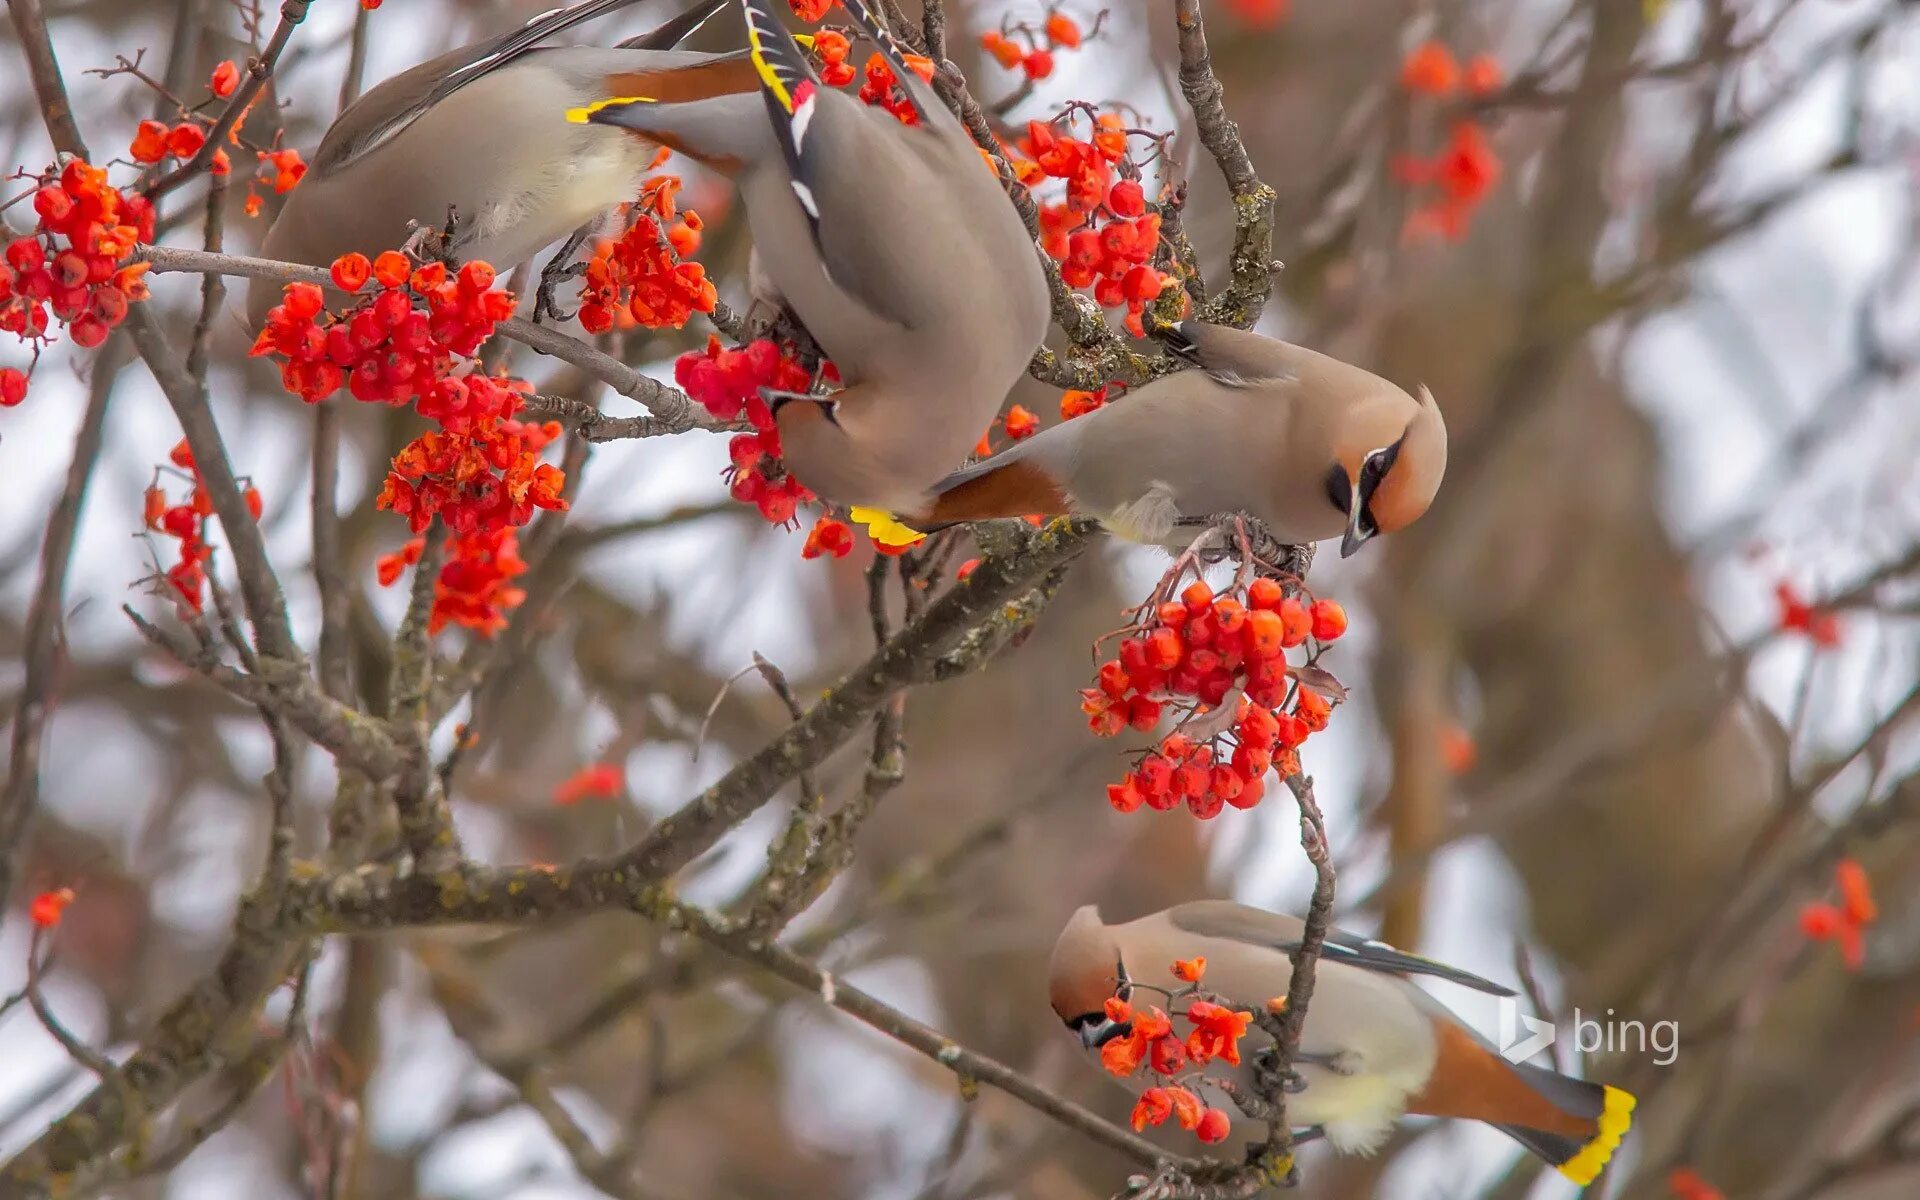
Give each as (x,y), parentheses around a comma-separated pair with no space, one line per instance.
(883,527)
(581,116)
(1615,1119)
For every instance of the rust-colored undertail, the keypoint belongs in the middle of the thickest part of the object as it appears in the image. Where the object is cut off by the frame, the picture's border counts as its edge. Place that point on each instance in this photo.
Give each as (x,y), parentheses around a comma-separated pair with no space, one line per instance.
(1017,489)
(1471,1082)
(727,76)
(730,76)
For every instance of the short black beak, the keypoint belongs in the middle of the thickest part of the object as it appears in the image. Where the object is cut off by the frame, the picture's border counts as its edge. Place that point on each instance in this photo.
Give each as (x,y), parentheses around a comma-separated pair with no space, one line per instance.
(1095,1034)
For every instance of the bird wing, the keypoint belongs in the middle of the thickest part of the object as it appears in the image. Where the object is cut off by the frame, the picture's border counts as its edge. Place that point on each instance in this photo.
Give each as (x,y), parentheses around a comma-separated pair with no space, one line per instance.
(841,158)
(1237,922)
(792,92)
(1232,357)
(389,108)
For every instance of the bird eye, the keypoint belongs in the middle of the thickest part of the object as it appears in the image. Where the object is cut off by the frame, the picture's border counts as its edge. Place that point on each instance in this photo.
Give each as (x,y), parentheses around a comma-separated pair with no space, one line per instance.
(1339,488)
(1376,467)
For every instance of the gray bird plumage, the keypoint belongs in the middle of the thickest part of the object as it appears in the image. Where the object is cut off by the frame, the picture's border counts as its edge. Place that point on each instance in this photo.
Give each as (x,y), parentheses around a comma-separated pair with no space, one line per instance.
(1374,1046)
(896,247)
(481,132)
(1257,426)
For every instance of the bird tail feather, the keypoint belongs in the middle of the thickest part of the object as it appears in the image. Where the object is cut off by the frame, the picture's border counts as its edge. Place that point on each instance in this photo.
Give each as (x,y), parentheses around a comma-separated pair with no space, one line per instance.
(672,32)
(1609,1108)
(1010,484)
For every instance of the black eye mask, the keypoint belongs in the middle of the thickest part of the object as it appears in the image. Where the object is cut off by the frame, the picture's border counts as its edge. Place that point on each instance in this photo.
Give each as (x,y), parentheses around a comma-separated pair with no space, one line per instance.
(1339,488)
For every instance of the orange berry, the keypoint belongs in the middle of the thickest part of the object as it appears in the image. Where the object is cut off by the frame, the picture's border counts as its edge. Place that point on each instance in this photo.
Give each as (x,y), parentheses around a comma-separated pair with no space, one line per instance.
(46,909)
(1329,620)
(1298,624)
(1143,713)
(391,269)
(1821,920)
(351,271)
(1482,74)
(1165,649)
(1430,69)
(226,77)
(1856,895)
(1264,593)
(1197,597)
(1214,1126)
(185,140)
(1265,634)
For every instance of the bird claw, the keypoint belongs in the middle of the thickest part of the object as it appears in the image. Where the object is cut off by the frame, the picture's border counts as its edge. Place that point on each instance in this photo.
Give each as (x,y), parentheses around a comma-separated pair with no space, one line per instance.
(427,243)
(558,270)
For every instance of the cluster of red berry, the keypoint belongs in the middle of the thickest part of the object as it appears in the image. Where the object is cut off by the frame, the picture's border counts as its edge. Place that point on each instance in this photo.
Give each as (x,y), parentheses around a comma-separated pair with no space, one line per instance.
(882,90)
(395,343)
(71,264)
(187,523)
(1195,652)
(727,384)
(643,277)
(475,588)
(155,141)
(1101,233)
(1035,57)
(1150,1041)
(480,471)
(1461,175)
(829,536)
(832,47)
(1845,923)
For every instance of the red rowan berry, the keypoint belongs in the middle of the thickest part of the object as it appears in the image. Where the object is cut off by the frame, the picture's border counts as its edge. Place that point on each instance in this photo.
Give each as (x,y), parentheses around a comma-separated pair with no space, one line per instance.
(1264,593)
(351,271)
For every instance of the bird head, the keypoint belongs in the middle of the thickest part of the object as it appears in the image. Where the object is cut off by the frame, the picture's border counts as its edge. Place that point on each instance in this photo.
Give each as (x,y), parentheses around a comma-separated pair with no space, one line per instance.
(1388,461)
(1086,972)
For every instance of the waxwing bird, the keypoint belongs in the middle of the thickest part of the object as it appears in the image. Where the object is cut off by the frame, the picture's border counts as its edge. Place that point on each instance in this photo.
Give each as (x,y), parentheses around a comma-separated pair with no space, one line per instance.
(1374,1047)
(894,245)
(482,132)
(1309,446)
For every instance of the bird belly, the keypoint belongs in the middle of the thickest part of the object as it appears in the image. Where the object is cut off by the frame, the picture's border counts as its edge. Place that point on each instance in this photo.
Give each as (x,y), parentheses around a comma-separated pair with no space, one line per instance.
(1357,1111)
(606,172)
